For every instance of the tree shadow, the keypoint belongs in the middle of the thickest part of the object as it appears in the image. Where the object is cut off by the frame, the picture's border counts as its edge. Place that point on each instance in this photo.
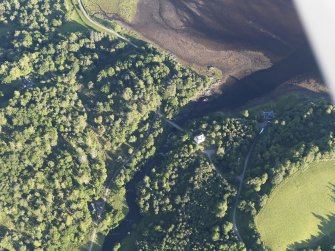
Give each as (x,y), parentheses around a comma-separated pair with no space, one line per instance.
(326,234)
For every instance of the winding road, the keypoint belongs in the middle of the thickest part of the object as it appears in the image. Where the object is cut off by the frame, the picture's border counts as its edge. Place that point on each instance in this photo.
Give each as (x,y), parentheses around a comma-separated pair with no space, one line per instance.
(95,25)
(110,183)
(241,179)
(100,26)
(209,154)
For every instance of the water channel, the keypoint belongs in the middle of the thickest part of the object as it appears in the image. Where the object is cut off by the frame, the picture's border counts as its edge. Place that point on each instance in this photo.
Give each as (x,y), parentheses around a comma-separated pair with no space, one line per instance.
(234,96)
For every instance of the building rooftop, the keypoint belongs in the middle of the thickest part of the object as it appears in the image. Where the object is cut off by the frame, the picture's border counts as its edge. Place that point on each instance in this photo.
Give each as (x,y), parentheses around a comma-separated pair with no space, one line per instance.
(199,139)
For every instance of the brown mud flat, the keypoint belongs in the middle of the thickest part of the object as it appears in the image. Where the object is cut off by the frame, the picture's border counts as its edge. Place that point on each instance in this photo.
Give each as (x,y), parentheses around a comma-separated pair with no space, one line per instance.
(236,36)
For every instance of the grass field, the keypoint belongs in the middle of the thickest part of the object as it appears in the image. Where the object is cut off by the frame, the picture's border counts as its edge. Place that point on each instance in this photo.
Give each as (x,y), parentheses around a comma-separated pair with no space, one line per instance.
(75,22)
(79,22)
(126,9)
(300,211)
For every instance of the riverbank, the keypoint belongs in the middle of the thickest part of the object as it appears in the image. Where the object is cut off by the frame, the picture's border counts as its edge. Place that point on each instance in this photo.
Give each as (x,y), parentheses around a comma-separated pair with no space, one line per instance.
(241,92)
(256,85)
(133,219)
(217,34)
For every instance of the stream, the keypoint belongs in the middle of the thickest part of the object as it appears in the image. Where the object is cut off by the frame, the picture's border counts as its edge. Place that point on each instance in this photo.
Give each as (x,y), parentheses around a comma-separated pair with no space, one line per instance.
(237,95)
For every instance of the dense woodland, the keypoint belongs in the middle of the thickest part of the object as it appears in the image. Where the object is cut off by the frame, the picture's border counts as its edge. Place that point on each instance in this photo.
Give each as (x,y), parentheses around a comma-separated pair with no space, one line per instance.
(188,197)
(77,119)
(187,200)
(300,134)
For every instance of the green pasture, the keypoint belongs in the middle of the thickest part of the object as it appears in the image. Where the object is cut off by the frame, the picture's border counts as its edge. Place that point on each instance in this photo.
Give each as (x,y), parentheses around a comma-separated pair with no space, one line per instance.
(75,21)
(126,9)
(301,211)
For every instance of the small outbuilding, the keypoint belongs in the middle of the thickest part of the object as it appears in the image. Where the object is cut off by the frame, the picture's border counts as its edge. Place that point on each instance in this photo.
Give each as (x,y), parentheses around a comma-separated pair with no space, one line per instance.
(199,139)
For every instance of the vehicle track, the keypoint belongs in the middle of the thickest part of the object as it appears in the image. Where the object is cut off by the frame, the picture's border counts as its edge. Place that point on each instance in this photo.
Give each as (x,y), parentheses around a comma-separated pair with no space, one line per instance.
(102,27)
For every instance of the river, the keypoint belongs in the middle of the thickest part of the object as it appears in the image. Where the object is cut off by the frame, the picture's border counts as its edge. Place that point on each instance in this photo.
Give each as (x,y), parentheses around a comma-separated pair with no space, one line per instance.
(257,84)
(237,95)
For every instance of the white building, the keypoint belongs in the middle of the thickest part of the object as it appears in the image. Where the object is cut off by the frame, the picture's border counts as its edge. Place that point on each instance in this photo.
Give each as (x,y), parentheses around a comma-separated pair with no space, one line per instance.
(200,139)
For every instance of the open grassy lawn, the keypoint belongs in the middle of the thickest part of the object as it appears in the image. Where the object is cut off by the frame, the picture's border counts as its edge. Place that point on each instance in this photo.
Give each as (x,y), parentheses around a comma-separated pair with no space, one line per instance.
(75,22)
(126,9)
(301,211)
(79,22)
